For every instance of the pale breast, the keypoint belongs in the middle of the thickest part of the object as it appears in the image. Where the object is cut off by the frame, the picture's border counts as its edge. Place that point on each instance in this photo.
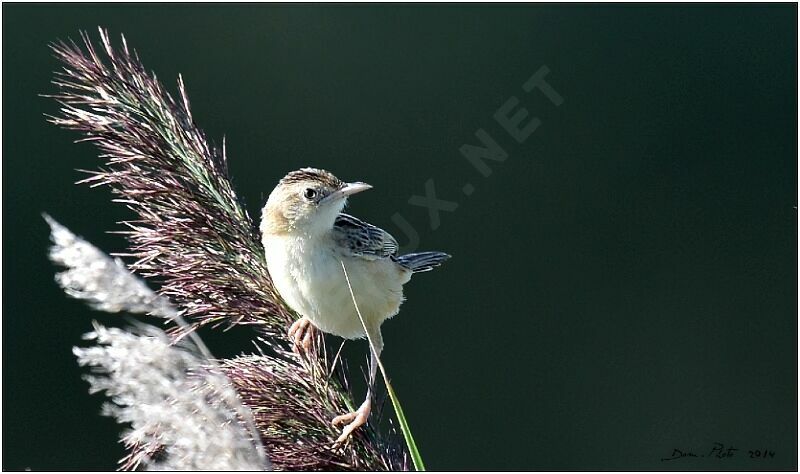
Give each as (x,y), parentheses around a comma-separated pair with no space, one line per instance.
(279,265)
(311,280)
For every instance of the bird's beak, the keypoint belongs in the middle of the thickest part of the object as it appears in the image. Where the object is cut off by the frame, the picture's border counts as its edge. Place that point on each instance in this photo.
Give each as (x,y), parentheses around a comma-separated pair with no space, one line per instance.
(348,190)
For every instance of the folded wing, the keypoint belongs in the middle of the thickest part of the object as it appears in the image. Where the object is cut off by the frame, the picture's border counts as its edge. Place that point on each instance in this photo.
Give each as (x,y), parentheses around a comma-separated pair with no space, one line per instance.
(356,238)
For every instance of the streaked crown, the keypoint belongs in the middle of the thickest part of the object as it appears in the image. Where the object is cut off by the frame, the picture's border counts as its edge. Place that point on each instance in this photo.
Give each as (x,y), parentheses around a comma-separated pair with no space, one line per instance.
(321,177)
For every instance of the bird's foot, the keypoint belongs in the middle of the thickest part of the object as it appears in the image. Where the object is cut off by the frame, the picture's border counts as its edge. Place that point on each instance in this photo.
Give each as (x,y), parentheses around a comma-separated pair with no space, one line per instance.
(302,332)
(353,420)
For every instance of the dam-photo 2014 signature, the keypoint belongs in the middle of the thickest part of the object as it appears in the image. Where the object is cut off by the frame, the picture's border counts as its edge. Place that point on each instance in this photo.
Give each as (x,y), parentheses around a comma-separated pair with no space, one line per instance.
(720,451)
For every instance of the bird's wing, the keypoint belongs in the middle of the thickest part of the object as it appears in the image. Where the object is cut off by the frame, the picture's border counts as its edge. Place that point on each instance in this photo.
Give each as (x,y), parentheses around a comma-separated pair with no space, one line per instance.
(359,239)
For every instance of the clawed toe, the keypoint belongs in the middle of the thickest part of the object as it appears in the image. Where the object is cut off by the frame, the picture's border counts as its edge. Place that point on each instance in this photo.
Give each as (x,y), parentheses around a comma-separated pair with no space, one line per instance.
(302,333)
(346,418)
(354,420)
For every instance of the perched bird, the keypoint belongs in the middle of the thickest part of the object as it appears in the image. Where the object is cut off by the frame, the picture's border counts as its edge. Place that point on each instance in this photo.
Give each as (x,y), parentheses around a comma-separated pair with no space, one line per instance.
(307,239)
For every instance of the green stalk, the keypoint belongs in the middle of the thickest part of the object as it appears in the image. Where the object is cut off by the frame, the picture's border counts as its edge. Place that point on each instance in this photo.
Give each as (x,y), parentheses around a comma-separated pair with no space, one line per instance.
(416,458)
(412,446)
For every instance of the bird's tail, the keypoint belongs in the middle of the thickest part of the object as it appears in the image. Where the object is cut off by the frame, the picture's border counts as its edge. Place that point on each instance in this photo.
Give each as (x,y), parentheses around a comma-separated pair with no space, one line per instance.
(422,261)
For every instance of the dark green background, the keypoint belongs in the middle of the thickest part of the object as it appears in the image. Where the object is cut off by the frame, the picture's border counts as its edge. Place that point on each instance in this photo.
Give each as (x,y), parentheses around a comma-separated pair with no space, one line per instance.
(625,283)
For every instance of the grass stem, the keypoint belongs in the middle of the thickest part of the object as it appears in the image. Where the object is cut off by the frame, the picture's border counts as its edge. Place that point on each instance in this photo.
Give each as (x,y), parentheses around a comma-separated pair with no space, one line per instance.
(401,417)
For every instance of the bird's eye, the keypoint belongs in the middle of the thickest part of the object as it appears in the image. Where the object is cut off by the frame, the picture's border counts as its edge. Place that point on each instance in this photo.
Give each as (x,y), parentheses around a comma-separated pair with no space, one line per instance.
(309,193)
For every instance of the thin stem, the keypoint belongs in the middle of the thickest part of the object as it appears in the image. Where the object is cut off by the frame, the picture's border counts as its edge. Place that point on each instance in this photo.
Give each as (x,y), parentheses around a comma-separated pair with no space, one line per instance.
(412,445)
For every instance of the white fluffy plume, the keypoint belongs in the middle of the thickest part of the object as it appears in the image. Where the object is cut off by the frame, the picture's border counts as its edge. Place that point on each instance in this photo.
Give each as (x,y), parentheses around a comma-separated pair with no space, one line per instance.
(183,412)
(179,411)
(104,283)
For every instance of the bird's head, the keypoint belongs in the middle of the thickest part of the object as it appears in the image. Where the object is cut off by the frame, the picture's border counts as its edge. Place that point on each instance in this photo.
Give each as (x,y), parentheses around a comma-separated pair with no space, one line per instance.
(307,201)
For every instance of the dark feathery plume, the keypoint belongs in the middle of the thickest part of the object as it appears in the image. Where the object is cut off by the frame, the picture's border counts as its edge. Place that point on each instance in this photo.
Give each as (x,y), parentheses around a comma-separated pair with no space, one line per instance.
(299,434)
(193,235)
(192,231)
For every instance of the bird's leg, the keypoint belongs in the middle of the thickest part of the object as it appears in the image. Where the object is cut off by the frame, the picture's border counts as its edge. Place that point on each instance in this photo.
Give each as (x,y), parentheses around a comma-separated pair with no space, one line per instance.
(360,416)
(302,332)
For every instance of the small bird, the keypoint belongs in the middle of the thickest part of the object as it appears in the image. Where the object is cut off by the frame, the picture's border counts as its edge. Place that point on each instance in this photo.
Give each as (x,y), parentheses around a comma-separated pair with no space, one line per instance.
(307,239)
